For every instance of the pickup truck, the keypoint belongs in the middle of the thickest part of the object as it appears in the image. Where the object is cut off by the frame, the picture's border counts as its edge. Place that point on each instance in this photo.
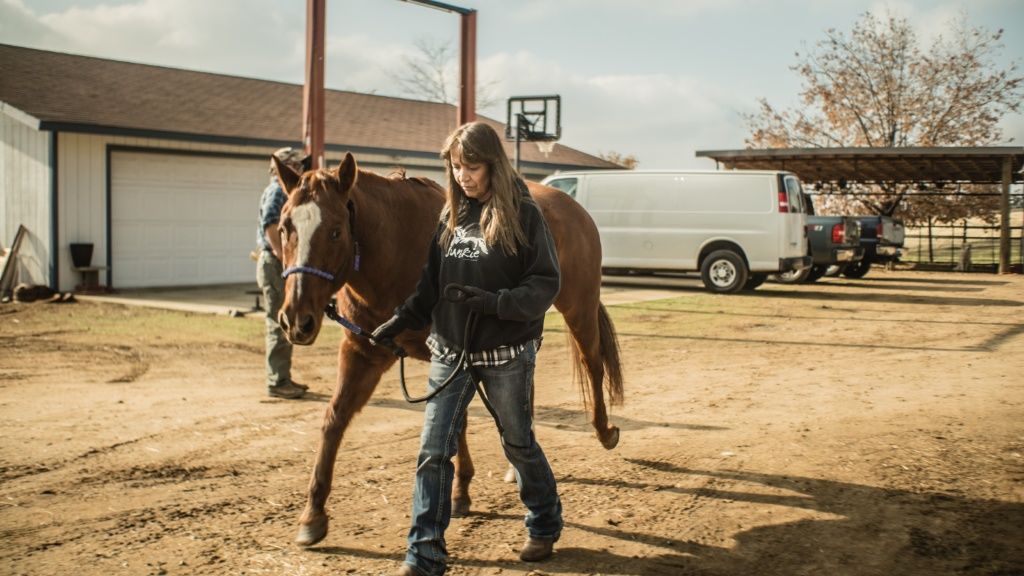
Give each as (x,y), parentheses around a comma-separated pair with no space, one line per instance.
(831,241)
(882,237)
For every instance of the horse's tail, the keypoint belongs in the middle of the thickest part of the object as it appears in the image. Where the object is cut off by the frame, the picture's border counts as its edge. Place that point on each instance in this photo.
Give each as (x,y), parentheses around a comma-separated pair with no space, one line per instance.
(609,358)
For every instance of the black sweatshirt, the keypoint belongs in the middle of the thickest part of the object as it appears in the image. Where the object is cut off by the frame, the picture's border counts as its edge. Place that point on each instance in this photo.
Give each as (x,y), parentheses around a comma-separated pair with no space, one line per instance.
(526,283)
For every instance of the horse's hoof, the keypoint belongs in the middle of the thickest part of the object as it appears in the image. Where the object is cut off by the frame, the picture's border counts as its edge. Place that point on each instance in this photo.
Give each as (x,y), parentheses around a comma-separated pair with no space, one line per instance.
(310,534)
(460,507)
(510,475)
(611,440)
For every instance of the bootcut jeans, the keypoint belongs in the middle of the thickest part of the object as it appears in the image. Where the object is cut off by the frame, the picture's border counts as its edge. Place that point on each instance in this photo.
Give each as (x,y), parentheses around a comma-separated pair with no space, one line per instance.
(509,389)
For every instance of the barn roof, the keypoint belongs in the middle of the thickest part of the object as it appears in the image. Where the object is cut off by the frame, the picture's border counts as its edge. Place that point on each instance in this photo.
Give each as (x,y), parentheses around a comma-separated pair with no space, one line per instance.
(982,164)
(71,93)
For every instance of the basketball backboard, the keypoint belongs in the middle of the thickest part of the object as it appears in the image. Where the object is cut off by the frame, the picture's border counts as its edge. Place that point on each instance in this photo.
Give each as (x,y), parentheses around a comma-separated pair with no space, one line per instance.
(536,118)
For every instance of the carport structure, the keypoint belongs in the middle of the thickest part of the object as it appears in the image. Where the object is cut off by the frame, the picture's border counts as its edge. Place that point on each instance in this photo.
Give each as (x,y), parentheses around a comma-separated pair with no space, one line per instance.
(968,165)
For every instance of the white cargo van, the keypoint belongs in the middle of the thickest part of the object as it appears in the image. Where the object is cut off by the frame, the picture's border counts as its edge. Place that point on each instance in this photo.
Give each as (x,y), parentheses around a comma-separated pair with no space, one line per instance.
(736,227)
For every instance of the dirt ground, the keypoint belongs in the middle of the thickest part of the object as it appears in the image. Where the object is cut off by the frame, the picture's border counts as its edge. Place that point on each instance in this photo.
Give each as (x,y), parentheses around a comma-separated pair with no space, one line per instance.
(870,426)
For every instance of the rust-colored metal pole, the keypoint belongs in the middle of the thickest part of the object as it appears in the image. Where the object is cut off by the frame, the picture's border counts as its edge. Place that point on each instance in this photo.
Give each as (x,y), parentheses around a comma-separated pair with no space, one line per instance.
(313,93)
(467,67)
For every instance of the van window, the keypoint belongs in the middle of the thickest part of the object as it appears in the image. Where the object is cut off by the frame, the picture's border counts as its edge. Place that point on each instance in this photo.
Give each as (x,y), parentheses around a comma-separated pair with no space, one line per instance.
(567,185)
(795,194)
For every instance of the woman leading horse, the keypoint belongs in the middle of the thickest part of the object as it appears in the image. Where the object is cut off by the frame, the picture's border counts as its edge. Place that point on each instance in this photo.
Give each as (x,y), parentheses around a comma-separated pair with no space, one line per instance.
(491,266)
(363,239)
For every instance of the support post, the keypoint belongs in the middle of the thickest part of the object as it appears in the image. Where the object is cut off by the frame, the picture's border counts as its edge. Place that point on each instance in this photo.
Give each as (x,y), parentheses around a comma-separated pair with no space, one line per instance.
(519,138)
(522,124)
(467,67)
(313,92)
(1004,217)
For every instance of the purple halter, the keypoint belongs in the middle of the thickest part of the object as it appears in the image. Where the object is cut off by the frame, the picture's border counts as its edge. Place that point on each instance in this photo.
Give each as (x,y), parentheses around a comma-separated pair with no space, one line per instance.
(323,273)
(309,270)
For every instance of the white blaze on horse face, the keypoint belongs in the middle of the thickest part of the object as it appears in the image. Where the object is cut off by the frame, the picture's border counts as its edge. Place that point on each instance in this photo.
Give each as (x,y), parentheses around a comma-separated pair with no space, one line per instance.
(306,219)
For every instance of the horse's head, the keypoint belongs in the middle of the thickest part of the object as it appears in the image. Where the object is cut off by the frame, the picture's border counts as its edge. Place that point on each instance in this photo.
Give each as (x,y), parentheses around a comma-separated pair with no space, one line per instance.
(319,251)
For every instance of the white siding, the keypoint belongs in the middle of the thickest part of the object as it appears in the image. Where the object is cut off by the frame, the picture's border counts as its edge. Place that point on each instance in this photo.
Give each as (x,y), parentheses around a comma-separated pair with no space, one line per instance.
(25,195)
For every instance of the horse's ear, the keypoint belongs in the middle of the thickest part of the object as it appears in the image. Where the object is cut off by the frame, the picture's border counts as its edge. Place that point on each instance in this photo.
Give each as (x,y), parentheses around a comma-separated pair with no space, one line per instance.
(286,177)
(348,172)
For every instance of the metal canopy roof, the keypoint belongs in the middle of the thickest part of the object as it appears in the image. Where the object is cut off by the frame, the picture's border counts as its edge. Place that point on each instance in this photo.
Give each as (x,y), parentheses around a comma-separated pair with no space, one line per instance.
(976,164)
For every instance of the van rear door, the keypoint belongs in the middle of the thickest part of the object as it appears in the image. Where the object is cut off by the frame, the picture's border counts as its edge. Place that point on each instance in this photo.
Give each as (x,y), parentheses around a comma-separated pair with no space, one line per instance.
(793,236)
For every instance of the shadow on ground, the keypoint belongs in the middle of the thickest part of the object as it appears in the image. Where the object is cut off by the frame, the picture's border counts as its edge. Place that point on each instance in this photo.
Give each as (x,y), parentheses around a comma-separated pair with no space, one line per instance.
(877,531)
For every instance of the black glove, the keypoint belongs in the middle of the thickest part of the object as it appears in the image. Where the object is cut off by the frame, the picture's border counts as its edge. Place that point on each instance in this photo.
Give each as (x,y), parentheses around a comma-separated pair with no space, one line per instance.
(386,333)
(481,301)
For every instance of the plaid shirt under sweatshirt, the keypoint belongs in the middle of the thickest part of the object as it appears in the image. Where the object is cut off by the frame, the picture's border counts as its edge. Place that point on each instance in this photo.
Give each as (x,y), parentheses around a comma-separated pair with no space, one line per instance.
(526,284)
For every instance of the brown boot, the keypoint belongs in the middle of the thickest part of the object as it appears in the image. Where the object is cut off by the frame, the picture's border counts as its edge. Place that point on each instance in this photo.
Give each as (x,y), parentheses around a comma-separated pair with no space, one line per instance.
(536,550)
(285,390)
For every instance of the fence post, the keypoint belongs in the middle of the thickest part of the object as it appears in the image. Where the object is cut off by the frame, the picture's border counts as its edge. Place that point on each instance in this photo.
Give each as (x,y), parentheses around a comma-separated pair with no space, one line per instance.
(1004,217)
(952,242)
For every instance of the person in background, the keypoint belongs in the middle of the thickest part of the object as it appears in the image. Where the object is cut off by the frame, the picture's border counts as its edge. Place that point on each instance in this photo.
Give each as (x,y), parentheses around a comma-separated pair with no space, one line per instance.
(271,283)
(493,243)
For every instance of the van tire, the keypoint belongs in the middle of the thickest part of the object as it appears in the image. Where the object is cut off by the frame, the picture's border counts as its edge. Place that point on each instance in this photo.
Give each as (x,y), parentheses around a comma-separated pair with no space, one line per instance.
(724,272)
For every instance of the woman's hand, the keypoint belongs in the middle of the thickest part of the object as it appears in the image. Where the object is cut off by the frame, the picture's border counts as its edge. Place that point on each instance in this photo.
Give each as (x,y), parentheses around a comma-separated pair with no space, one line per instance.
(481,301)
(386,333)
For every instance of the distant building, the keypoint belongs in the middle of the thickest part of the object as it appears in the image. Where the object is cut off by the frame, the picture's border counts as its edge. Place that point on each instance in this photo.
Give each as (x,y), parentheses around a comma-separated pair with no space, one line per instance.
(161,168)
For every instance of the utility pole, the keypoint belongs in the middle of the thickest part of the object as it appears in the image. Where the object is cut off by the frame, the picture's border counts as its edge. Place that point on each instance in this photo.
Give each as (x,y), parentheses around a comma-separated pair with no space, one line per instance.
(313,92)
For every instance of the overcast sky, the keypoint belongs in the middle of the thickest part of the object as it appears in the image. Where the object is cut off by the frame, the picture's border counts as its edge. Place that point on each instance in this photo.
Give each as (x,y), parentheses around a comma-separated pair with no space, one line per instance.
(658,79)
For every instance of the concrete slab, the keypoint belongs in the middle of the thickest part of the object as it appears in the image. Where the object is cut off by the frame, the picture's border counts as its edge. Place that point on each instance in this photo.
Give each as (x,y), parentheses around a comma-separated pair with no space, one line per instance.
(233,299)
(241,300)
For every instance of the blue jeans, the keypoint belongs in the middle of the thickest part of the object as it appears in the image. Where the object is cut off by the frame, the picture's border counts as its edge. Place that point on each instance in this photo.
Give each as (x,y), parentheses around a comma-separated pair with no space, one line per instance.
(509,389)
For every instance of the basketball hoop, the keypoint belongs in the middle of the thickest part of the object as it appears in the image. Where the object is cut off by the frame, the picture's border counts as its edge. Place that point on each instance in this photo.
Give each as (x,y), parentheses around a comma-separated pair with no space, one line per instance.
(545,147)
(534,119)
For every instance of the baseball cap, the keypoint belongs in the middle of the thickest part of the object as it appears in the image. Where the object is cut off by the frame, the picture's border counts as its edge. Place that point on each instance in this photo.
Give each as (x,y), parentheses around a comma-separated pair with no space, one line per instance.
(295,159)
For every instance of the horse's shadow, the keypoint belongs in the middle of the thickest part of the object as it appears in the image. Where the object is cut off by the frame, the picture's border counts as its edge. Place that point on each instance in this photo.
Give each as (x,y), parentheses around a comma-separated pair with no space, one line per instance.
(878,531)
(556,417)
(870,530)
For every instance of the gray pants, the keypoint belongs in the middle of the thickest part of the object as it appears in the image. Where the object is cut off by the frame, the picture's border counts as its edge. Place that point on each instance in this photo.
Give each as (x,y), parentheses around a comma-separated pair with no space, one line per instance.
(279,349)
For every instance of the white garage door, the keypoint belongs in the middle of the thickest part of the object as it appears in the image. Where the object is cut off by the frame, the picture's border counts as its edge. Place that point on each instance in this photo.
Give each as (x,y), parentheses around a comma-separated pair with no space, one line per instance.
(180,220)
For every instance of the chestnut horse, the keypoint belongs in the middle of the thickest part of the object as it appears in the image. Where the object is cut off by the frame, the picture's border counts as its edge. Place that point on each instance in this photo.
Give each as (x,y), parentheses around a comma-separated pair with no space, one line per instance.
(364,238)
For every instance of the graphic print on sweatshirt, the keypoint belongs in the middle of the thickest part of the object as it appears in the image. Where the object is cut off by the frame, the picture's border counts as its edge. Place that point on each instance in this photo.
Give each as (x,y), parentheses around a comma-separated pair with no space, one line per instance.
(466,245)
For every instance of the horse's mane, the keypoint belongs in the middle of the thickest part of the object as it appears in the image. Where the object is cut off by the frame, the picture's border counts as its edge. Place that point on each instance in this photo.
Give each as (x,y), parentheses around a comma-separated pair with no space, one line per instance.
(397,174)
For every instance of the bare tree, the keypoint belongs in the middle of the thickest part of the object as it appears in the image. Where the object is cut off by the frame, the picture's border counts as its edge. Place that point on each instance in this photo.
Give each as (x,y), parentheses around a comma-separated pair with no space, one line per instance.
(629,162)
(877,87)
(432,74)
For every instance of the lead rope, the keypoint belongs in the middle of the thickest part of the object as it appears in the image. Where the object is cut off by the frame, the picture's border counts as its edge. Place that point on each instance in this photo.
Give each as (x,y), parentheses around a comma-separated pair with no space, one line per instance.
(453,293)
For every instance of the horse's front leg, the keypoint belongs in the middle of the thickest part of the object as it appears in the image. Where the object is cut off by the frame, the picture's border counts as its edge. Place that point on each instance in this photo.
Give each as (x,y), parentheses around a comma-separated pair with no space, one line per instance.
(464,472)
(358,374)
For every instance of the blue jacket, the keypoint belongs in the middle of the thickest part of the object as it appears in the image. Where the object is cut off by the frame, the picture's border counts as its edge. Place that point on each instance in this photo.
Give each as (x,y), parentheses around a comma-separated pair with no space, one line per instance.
(270,211)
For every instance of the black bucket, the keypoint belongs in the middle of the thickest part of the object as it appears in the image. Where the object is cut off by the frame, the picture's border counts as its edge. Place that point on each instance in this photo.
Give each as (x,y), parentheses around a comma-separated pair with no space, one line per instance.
(81,255)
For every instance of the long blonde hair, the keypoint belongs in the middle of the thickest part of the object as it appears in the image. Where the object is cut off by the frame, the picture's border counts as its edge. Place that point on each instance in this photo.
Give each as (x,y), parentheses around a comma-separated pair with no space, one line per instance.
(478,143)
